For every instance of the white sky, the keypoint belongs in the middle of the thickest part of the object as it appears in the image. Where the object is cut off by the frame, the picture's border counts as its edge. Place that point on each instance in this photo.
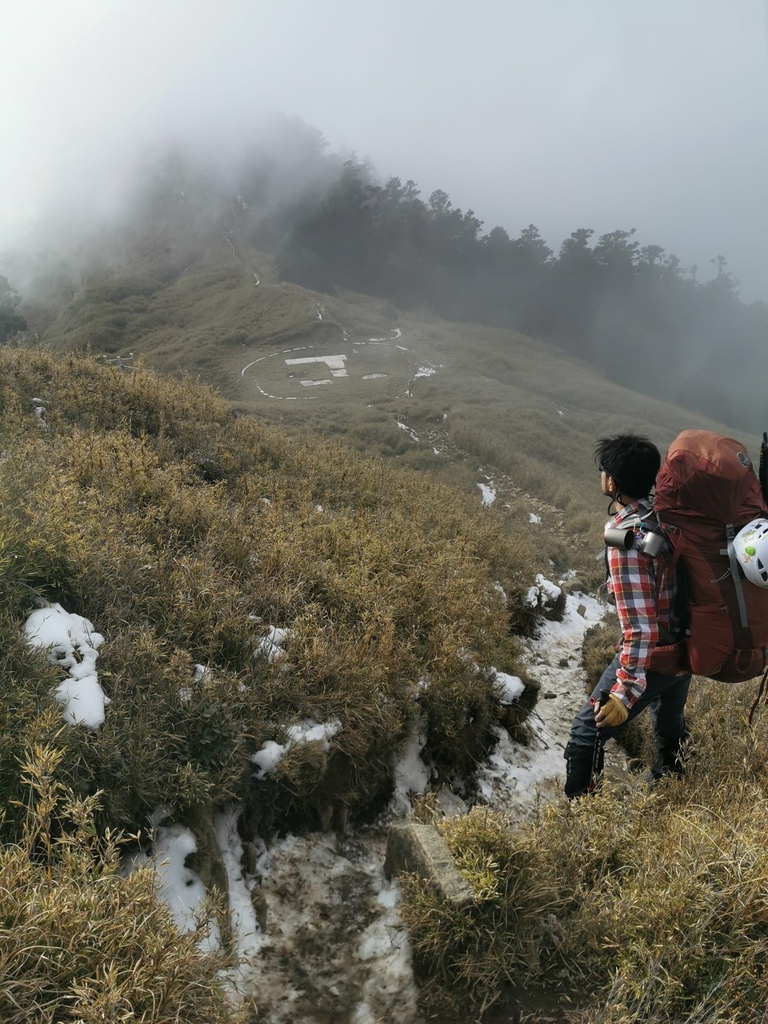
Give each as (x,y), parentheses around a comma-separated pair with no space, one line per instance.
(567,113)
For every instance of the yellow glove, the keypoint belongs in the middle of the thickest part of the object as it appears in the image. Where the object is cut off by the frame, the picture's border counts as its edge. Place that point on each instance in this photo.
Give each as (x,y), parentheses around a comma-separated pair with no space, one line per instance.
(612,713)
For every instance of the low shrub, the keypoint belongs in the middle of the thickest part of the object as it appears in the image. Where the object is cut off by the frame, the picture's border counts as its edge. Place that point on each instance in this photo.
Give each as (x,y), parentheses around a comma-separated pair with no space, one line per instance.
(647,905)
(185,534)
(78,941)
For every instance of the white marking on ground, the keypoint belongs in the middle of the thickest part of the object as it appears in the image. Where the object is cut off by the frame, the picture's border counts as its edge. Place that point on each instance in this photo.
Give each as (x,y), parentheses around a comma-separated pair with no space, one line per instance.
(332,362)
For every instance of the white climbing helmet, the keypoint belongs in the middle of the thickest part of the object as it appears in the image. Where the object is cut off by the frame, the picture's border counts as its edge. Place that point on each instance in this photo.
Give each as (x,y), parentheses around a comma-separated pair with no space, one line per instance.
(751,547)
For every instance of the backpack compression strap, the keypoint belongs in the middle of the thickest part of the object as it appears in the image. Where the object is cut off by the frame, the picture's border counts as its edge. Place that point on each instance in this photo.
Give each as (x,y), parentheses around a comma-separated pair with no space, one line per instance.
(671,559)
(730,533)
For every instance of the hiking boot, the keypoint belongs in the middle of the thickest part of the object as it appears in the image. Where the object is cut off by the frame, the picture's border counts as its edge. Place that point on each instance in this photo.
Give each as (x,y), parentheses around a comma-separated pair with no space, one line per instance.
(578,769)
(670,757)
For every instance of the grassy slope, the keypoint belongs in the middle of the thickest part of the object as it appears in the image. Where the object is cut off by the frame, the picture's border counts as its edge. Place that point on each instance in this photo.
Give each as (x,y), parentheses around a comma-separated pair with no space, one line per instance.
(593,889)
(525,412)
(184,533)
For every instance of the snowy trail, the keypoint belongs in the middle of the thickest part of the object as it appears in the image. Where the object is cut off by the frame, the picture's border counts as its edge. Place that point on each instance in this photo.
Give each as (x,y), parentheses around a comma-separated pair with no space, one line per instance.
(334,948)
(517,777)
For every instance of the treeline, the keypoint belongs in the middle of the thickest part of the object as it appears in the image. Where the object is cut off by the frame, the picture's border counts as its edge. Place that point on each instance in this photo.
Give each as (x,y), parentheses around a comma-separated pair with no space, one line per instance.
(653,325)
(10,321)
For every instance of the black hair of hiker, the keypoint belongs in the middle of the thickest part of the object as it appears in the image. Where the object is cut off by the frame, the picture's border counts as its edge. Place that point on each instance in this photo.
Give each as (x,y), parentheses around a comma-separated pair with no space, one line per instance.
(632,460)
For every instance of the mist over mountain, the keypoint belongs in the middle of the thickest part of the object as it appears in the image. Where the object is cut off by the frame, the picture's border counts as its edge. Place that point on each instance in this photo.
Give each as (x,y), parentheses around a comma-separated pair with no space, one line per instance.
(330,221)
(651,115)
(298,417)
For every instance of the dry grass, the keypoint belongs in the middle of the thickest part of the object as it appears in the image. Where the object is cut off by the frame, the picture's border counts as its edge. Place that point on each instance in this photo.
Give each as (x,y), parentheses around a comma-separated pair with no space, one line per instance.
(184,533)
(78,942)
(184,299)
(651,906)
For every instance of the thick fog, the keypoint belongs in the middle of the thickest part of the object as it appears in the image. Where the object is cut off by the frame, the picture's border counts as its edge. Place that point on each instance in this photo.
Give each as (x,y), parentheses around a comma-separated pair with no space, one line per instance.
(564,113)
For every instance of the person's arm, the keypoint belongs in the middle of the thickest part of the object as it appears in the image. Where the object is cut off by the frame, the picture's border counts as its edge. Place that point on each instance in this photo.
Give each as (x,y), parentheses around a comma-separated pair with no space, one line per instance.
(634,590)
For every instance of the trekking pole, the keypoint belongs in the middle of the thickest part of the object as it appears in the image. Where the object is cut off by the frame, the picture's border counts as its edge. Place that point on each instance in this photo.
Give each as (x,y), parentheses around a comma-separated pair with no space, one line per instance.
(763,471)
(598,754)
(760,692)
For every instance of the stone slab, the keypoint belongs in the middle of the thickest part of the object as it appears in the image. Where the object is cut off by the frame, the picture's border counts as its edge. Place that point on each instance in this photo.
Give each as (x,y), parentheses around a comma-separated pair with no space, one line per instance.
(422,850)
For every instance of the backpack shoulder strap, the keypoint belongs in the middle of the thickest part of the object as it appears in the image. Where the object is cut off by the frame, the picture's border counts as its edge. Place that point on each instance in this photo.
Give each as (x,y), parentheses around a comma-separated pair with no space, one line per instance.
(673,564)
(730,533)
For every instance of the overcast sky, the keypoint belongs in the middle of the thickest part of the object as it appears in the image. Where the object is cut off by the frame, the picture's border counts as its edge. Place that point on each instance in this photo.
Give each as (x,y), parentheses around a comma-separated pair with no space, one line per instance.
(566,113)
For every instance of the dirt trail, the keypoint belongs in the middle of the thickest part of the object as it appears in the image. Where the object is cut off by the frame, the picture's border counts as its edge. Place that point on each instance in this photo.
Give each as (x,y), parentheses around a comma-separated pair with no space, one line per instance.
(334,949)
(553,518)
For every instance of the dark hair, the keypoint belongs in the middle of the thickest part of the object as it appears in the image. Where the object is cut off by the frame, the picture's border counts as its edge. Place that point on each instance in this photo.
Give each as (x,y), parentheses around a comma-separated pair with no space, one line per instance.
(631,460)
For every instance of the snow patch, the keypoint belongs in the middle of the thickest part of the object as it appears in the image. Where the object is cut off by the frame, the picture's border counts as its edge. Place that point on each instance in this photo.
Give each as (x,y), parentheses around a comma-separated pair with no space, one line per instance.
(181,889)
(545,592)
(272,645)
(411,433)
(411,775)
(488,493)
(308,731)
(72,643)
(509,687)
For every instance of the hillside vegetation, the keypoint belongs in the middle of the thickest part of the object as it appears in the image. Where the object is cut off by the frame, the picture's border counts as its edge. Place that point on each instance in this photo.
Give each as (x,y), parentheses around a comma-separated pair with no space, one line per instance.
(634,905)
(185,535)
(331,224)
(275,554)
(188,537)
(193,294)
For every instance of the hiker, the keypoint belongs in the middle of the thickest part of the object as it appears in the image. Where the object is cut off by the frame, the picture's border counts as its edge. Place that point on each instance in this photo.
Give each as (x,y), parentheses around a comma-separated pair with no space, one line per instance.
(644,594)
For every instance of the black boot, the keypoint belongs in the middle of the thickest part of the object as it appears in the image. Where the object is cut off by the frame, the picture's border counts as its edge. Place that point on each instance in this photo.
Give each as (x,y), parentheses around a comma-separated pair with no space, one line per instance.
(670,757)
(579,763)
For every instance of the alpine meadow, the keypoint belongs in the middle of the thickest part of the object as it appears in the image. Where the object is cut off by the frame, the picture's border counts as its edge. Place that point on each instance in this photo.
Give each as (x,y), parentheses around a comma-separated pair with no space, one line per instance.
(300,466)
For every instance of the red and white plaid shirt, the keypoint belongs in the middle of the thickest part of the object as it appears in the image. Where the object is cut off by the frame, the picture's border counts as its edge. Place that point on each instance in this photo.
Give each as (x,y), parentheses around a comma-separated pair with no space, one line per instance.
(632,581)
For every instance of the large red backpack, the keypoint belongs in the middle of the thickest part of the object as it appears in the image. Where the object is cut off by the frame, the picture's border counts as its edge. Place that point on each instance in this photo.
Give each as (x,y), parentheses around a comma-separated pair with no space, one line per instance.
(706,491)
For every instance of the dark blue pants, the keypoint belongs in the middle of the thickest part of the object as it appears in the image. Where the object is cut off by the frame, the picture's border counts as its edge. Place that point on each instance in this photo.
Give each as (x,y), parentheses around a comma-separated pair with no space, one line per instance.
(666,696)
